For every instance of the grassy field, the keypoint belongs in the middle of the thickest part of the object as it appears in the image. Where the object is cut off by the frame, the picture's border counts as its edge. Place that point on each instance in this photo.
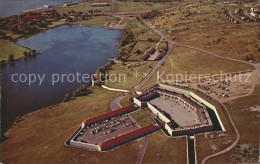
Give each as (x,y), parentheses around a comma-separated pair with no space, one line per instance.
(135,74)
(142,46)
(248,125)
(142,6)
(132,75)
(142,118)
(125,102)
(162,45)
(187,61)
(56,24)
(83,7)
(138,114)
(142,32)
(95,21)
(205,27)
(163,149)
(41,136)
(7,48)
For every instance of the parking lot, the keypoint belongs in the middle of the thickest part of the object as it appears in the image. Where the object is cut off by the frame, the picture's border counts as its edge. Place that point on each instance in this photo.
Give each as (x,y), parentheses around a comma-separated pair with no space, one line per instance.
(178,112)
(106,129)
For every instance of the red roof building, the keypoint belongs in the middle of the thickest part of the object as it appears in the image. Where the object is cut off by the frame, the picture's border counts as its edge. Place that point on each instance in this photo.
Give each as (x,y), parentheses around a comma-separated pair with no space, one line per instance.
(128,136)
(109,114)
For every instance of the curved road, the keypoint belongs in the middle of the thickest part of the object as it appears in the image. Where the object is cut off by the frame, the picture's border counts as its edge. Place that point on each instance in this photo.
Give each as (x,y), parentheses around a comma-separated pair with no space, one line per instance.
(209,53)
(114,104)
(199,49)
(231,146)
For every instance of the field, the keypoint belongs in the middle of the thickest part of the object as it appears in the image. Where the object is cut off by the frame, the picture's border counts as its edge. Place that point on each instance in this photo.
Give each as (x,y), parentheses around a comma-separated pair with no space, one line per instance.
(41,136)
(142,32)
(135,73)
(142,118)
(249,139)
(7,48)
(125,101)
(142,6)
(132,75)
(142,46)
(95,21)
(187,61)
(83,7)
(205,27)
(163,149)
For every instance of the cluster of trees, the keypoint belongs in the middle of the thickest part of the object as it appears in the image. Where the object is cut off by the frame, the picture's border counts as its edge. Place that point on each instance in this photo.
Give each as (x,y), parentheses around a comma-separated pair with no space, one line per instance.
(103,70)
(127,37)
(151,14)
(5,37)
(80,13)
(30,53)
(3,63)
(81,91)
(250,57)
(128,40)
(25,24)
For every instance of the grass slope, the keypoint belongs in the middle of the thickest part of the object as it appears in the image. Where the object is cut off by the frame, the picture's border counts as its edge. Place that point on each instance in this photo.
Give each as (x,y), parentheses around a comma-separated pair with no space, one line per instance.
(40,137)
(7,48)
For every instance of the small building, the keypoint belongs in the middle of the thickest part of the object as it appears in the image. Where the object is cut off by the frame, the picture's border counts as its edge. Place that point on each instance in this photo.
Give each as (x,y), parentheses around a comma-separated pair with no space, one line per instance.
(67,4)
(255,13)
(100,4)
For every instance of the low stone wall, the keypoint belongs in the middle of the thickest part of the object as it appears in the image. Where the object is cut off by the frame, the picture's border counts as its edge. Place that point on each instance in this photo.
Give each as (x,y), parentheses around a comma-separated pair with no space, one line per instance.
(191,131)
(137,102)
(114,89)
(212,107)
(85,145)
(198,98)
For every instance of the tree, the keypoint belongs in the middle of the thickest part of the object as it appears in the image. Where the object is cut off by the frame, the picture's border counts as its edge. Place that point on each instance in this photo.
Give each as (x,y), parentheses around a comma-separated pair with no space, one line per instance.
(29,53)
(66,98)
(3,63)
(90,12)
(150,40)
(25,53)
(11,58)
(33,52)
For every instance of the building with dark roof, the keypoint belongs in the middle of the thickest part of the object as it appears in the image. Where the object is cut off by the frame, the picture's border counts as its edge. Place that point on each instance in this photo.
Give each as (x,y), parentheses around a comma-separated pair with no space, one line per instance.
(183,112)
(109,130)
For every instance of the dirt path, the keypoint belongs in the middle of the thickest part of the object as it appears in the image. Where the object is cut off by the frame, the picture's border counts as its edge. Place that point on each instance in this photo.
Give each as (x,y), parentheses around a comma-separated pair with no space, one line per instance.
(143,150)
(256,66)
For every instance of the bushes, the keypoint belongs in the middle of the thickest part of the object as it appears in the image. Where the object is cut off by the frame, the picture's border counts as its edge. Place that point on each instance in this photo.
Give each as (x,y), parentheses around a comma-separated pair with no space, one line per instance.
(30,53)
(11,58)
(127,37)
(81,91)
(3,63)
(151,14)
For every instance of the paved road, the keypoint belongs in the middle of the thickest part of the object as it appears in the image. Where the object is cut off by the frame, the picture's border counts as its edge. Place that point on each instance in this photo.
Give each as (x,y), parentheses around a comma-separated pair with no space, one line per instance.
(209,53)
(114,104)
(150,74)
(187,46)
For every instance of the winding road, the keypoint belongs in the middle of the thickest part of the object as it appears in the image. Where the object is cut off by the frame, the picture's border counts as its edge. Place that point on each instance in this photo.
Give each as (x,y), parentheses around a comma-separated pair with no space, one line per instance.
(114,104)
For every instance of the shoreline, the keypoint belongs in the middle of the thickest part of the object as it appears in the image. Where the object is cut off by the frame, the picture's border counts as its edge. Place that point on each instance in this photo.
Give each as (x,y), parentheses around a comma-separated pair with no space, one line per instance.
(56,26)
(22,117)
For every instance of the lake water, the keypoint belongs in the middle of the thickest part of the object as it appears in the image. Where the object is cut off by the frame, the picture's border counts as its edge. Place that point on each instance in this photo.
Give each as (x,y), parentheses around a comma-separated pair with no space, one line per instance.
(8,8)
(63,50)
